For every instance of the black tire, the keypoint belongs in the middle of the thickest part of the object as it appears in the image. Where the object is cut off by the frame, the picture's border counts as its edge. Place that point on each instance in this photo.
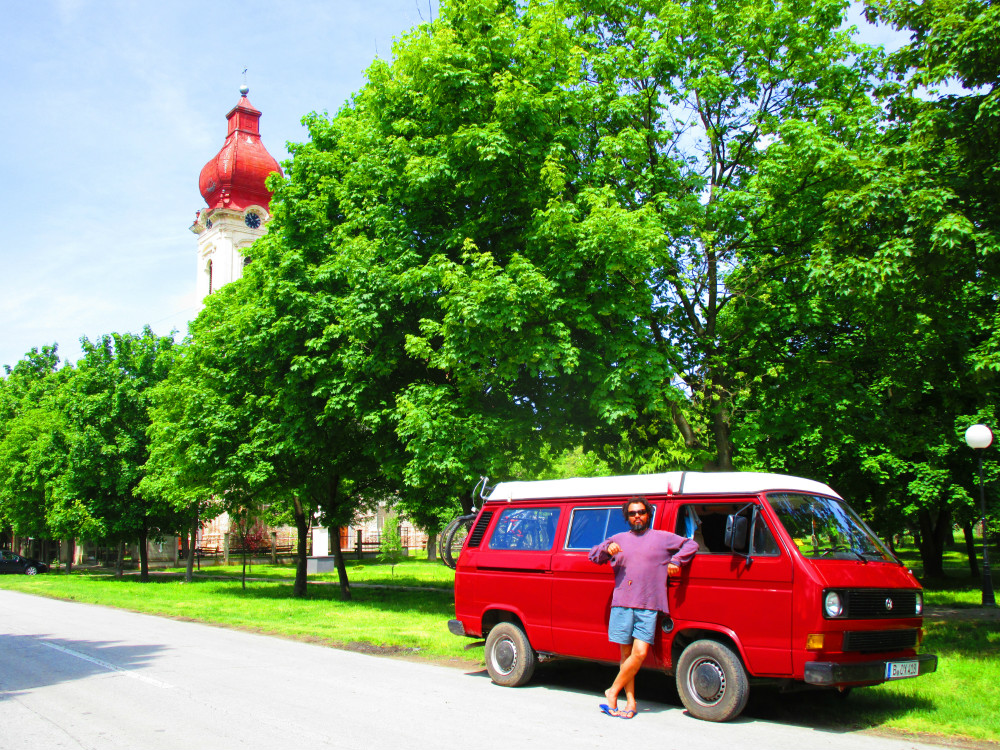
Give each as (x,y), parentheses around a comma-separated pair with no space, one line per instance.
(712,682)
(453,541)
(510,659)
(30,570)
(443,549)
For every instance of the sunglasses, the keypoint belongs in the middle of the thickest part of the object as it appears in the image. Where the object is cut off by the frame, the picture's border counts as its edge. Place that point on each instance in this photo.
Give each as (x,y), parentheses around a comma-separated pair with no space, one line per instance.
(634,513)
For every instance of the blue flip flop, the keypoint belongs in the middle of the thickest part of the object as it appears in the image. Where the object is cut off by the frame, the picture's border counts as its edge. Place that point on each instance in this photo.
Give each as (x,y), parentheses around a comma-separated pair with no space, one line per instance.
(605,708)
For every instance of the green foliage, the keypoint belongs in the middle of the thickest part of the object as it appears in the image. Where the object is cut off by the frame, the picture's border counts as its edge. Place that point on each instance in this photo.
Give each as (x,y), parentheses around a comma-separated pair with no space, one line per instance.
(869,362)
(35,440)
(107,402)
(525,227)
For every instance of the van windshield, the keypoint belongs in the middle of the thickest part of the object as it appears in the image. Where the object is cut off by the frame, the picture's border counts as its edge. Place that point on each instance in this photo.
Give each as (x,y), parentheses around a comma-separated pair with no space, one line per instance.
(823,527)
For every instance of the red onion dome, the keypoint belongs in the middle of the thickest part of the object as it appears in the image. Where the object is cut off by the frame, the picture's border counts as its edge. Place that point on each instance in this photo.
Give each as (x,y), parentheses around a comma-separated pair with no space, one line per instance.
(234,178)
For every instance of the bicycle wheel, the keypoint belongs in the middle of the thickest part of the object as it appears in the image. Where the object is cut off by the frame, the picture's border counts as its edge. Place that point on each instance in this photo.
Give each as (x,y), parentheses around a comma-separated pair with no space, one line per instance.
(442,541)
(454,539)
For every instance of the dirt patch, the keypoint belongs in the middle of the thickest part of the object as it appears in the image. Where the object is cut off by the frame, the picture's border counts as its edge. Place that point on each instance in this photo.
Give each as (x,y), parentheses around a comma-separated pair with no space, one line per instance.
(963,743)
(989,614)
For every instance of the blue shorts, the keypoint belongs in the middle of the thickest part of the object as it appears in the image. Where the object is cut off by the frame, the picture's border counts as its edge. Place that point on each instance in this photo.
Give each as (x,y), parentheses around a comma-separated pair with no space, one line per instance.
(627,624)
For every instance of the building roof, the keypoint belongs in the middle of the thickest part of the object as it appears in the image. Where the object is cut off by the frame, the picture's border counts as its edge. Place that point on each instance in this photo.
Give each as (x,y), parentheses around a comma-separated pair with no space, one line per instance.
(670,483)
(234,178)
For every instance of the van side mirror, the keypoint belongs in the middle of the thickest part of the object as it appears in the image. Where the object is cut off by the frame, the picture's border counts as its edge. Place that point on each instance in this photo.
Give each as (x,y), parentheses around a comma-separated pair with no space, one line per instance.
(736,532)
(737,536)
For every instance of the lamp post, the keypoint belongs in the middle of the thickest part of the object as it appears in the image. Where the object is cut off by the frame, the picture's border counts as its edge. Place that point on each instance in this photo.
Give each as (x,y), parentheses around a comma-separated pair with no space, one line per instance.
(979,437)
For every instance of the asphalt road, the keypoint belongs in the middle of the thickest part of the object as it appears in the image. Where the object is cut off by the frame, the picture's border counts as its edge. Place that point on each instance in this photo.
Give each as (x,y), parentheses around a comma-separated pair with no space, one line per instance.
(81,676)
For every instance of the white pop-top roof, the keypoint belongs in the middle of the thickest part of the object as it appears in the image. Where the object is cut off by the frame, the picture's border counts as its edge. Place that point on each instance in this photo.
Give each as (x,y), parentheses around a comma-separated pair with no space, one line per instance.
(673,482)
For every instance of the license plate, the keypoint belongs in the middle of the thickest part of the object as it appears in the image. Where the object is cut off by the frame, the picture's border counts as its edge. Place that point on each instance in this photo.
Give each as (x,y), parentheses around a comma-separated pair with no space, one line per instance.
(897,670)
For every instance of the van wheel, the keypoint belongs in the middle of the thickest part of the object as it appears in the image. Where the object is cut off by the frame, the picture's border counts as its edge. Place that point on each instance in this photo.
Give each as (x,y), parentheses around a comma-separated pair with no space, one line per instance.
(712,682)
(510,659)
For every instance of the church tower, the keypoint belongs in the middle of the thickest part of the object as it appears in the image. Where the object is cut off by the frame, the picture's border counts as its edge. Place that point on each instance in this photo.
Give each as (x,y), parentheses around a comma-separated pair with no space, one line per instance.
(232,184)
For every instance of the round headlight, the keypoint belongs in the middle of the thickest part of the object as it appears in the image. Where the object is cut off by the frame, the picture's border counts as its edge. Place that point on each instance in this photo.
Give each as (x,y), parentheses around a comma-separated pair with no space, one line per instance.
(832,604)
(919,604)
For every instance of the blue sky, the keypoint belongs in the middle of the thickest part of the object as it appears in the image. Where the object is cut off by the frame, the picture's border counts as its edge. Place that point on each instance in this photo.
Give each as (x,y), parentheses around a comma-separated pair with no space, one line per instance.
(110,108)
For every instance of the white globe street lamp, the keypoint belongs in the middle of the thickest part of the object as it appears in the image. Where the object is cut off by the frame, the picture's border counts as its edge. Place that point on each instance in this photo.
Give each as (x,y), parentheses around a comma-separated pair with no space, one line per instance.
(979,437)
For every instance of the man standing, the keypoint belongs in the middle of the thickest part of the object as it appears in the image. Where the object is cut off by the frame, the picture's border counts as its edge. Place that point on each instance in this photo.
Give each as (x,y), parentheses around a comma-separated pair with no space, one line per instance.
(642,559)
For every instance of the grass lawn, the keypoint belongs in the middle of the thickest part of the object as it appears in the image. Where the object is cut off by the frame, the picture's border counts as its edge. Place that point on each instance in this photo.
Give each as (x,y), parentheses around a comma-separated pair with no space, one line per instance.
(412,571)
(960,700)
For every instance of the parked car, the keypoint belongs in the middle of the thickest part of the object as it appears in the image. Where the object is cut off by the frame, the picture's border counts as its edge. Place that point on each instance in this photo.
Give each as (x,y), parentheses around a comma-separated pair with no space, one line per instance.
(789,587)
(12,563)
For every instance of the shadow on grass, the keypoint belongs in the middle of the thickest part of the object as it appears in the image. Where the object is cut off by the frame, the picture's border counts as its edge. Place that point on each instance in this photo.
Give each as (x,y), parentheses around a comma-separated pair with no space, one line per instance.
(388,599)
(288,576)
(967,638)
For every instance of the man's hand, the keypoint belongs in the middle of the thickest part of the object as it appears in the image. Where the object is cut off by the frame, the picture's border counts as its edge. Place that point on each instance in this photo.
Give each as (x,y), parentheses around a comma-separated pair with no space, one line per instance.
(673,569)
(614,549)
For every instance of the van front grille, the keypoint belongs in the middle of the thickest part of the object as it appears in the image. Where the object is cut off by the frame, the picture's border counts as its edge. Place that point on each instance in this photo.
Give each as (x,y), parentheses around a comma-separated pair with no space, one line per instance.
(880,640)
(863,604)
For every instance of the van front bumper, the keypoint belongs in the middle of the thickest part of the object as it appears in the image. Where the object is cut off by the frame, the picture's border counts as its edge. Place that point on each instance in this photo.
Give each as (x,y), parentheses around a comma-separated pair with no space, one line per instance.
(456,627)
(872,672)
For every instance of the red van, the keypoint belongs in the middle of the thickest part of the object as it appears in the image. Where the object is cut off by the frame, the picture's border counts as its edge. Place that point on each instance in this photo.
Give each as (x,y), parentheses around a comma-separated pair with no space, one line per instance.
(789,587)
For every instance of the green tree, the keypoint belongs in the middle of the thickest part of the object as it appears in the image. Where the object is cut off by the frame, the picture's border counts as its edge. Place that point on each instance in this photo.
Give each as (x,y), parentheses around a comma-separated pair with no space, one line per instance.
(108,405)
(189,425)
(247,417)
(390,543)
(527,224)
(872,358)
(691,97)
(35,439)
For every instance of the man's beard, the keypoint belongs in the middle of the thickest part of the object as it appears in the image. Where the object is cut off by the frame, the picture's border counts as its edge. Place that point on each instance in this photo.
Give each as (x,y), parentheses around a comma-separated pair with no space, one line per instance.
(639,524)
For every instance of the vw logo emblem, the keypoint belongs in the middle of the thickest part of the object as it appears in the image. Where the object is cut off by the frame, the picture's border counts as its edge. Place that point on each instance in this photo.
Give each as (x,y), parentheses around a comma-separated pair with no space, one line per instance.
(888,605)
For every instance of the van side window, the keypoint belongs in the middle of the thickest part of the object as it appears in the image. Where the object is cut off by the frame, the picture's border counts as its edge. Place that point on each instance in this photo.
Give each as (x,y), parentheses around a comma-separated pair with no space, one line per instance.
(525,528)
(591,526)
(706,524)
(761,542)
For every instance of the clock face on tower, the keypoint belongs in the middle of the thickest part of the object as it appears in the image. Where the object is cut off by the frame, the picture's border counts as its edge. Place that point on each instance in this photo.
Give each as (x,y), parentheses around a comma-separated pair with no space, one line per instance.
(252,220)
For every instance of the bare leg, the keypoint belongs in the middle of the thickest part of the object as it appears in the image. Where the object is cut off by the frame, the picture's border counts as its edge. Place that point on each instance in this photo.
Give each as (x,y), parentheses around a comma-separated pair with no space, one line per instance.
(611,694)
(631,661)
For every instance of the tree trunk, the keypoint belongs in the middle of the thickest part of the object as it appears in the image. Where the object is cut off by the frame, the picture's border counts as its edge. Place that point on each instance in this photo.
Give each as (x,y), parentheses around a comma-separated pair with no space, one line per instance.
(970,549)
(70,554)
(144,555)
(120,559)
(338,557)
(723,437)
(934,530)
(302,526)
(192,549)
(243,537)
(432,546)
(327,501)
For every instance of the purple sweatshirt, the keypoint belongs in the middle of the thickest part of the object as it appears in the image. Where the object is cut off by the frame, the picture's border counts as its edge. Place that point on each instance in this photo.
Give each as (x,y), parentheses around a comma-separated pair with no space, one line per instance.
(641,567)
